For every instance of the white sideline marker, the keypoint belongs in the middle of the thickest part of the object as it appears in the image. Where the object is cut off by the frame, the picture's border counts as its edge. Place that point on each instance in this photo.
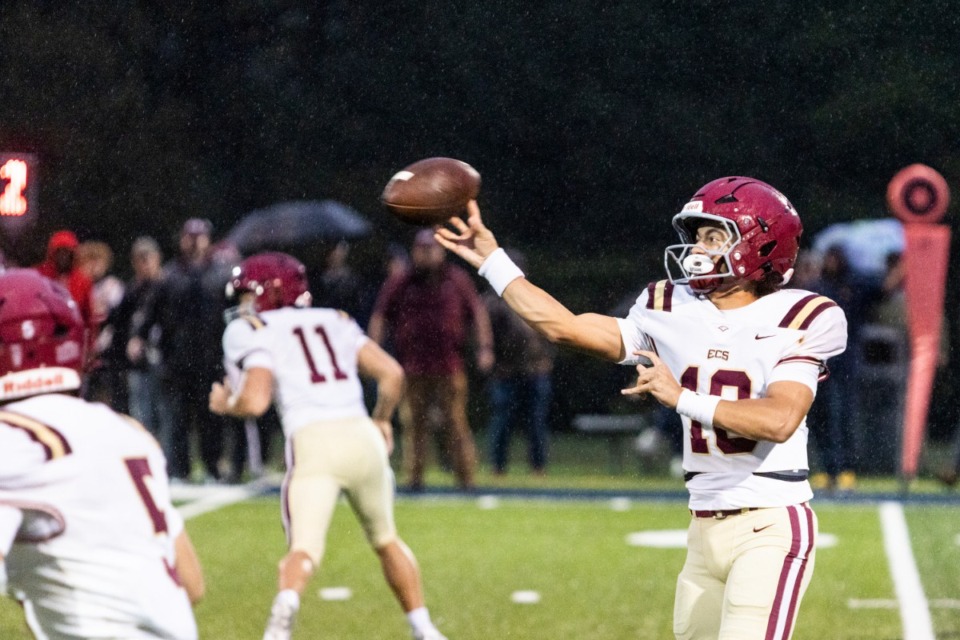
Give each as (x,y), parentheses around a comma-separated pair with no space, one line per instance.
(677,539)
(335,594)
(488,502)
(525,597)
(914,608)
(620,504)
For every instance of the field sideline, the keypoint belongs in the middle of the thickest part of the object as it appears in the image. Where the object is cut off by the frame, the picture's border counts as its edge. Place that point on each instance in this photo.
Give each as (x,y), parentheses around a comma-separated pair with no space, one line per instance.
(512,563)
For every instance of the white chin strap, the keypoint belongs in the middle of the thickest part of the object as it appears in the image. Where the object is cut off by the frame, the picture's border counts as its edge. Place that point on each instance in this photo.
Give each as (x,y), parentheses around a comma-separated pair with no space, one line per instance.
(698,264)
(787,275)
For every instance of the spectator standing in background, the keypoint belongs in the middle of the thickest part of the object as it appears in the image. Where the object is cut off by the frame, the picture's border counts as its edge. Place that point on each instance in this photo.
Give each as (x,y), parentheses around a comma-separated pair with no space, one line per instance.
(340,286)
(521,384)
(95,258)
(106,380)
(426,312)
(189,309)
(60,264)
(835,414)
(140,357)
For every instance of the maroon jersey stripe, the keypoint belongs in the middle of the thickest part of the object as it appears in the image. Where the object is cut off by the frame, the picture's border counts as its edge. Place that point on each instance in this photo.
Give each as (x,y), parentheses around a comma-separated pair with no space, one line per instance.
(796,309)
(820,308)
(52,441)
(651,288)
(660,295)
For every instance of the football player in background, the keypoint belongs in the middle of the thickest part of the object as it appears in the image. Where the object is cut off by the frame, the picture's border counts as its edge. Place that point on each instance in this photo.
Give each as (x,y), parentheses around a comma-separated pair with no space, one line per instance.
(89,541)
(308,360)
(739,359)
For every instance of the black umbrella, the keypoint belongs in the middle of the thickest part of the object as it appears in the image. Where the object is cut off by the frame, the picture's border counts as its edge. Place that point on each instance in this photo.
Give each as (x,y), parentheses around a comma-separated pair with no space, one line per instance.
(298,222)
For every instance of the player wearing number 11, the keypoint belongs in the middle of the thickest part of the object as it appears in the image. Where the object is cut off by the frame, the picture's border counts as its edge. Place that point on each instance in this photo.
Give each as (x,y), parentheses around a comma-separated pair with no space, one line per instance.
(308,361)
(739,359)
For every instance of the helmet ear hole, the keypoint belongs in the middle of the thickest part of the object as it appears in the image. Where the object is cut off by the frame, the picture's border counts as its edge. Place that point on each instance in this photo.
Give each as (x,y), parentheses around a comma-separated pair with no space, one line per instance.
(768,248)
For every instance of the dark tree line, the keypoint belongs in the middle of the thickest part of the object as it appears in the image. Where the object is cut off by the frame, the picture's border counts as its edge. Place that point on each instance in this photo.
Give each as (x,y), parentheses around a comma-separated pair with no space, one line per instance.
(590,121)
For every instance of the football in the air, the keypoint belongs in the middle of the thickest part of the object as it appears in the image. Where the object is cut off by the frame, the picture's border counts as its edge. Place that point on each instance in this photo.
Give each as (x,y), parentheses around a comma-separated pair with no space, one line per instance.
(430,191)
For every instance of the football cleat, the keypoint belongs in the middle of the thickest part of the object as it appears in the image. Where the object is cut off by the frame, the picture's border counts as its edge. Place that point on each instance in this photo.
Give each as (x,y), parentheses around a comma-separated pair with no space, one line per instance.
(280,624)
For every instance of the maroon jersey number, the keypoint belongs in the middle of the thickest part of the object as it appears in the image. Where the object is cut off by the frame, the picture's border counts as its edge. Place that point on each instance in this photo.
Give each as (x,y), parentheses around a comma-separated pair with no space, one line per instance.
(720,379)
(316,376)
(139,469)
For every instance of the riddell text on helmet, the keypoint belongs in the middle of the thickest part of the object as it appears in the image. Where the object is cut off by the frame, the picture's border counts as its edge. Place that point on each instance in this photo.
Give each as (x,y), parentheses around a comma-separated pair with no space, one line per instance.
(34,383)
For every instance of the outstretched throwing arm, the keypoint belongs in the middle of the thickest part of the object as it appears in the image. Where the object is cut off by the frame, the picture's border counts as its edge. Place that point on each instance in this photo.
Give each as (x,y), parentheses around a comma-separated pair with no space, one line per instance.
(595,334)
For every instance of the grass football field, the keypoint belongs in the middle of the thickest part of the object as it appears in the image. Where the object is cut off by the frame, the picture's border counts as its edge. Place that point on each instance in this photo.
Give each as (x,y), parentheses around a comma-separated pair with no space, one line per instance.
(579,559)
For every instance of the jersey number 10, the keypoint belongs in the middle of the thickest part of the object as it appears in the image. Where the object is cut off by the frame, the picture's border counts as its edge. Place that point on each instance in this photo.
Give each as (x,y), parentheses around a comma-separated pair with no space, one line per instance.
(718,381)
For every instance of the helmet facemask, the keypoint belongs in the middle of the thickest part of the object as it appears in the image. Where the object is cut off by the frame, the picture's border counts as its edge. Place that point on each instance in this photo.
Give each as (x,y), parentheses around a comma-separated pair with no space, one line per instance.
(698,264)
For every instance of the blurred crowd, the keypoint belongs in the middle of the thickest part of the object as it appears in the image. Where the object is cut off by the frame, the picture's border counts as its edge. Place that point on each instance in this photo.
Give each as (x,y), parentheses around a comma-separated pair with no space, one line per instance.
(155,345)
(155,349)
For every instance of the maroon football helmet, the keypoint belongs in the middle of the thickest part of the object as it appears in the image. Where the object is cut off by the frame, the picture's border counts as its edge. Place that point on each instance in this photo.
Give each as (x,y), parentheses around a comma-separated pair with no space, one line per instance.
(763,229)
(42,336)
(276,279)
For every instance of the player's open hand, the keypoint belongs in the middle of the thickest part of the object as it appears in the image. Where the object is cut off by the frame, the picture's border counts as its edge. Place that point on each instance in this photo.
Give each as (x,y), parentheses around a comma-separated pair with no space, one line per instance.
(469,239)
(656,379)
(219,400)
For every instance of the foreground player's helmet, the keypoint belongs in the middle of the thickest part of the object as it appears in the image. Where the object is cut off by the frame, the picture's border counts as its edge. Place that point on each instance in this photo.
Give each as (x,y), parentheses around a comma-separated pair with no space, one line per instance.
(42,336)
(276,279)
(763,228)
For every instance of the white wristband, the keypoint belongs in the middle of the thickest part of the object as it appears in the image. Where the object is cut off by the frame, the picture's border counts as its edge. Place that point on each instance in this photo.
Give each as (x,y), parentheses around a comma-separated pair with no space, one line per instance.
(499,270)
(699,408)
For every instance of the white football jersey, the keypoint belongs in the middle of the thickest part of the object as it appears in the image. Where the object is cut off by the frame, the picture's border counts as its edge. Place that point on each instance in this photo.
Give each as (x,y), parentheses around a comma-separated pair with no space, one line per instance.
(312,353)
(737,354)
(94,554)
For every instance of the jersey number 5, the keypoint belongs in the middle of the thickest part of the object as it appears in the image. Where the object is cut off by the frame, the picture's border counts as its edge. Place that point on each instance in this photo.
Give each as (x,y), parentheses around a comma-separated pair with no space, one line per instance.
(720,379)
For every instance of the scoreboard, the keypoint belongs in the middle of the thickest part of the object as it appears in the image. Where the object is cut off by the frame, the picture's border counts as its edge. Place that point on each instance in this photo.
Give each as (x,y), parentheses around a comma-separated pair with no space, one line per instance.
(18,191)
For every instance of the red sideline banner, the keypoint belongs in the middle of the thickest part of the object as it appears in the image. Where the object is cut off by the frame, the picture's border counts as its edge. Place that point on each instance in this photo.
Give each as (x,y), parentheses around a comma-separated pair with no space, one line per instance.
(926,258)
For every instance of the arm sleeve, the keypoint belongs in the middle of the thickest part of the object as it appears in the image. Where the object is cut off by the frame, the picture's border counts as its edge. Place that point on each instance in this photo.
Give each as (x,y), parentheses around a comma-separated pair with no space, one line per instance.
(631,330)
(806,362)
(245,347)
(19,454)
(10,519)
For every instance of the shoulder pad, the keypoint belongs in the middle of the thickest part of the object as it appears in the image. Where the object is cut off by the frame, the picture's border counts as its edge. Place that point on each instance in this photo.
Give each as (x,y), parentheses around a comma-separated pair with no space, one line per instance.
(53,443)
(254,321)
(660,295)
(805,310)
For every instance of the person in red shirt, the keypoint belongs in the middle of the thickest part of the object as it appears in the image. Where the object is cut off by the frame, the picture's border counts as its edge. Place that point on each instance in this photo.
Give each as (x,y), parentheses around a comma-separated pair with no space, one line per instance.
(425,312)
(60,264)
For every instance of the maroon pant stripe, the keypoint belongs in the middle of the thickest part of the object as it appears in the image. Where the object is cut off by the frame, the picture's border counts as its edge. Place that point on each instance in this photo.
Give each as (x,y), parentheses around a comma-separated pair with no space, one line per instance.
(790,585)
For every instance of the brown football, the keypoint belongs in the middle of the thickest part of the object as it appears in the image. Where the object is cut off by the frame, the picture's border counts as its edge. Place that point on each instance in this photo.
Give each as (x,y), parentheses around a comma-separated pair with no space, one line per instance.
(430,191)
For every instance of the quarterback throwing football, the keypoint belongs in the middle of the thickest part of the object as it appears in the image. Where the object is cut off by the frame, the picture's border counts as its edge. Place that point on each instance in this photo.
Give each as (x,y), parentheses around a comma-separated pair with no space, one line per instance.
(739,358)
(308,360)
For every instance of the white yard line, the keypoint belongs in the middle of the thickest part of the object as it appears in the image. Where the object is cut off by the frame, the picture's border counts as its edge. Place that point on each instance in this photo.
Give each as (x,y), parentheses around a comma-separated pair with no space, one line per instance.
(914,608)
(207,499)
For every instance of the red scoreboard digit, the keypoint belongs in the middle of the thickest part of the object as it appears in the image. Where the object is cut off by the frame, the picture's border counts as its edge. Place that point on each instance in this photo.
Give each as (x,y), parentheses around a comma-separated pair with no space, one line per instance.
(18,191)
